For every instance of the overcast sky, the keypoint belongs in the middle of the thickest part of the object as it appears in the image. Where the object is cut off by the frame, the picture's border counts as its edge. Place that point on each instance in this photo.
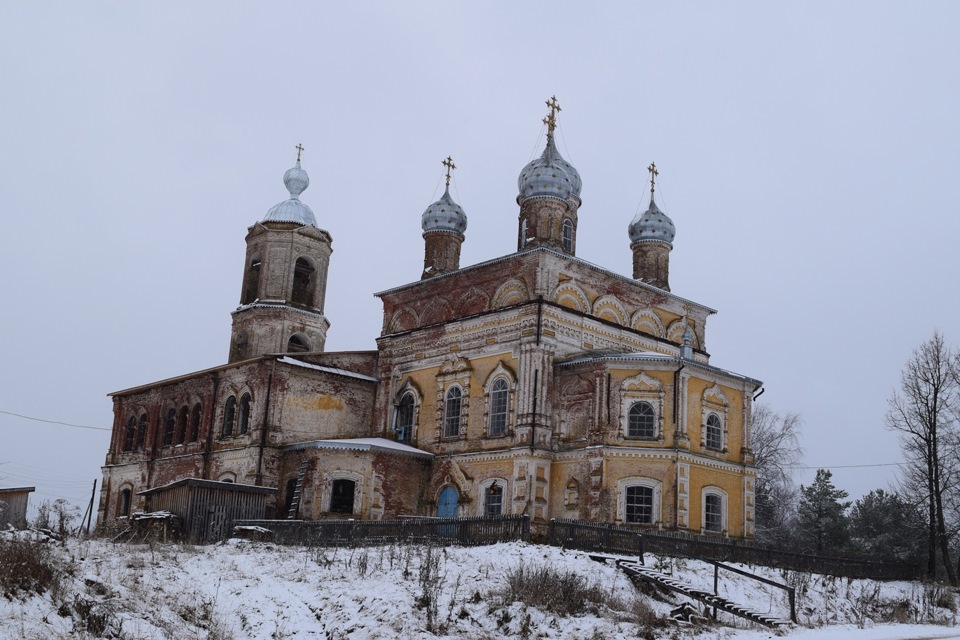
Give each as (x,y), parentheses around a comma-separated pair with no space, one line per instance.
(807,155)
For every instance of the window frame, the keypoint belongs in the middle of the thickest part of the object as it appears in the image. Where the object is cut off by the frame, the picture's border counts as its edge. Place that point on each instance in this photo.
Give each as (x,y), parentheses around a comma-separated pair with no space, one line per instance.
(652,435)
(721,518)
(656,487)
(451,418)
(499,415)
(566,235)
(243,415)
(404,432)
(229,417)
(713,432)
(493,498)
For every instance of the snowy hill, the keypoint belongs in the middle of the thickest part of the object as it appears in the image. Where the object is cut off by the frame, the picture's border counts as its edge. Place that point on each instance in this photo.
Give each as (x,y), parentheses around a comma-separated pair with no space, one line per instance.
(246,589)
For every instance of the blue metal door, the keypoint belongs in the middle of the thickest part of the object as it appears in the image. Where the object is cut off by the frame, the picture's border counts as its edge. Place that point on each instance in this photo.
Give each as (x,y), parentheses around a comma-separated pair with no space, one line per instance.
(447,504)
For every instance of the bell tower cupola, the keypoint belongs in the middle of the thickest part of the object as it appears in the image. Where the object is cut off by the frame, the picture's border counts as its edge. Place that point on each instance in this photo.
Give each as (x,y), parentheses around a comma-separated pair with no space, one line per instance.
(284,279)
(443,225)
(549,196)
(651,240)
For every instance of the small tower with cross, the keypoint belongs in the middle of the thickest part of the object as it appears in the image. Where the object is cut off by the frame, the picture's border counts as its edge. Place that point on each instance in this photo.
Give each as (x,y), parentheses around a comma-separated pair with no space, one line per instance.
(651,240)
(284,279)
(444,224)
(549,196)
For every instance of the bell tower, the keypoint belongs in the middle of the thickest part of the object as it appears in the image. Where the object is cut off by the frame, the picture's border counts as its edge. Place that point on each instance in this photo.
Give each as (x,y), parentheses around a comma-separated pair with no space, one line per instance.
(284,279)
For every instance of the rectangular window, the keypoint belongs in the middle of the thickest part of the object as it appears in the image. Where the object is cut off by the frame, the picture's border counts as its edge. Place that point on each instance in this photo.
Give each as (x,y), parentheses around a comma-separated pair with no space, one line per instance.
(713,513)
(493,500)
(639,505)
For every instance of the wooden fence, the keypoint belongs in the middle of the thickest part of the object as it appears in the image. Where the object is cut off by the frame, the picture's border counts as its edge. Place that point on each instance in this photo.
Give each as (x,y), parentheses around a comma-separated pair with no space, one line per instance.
(444,531)
(594,536)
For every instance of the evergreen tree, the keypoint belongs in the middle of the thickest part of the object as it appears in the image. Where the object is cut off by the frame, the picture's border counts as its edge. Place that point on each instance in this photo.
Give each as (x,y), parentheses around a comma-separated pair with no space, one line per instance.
(821,516)
(885,527)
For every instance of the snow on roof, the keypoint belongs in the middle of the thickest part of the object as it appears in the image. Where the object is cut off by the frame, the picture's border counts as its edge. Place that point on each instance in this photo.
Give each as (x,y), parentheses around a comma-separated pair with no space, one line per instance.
(209,484)
(378,445)
(333,370)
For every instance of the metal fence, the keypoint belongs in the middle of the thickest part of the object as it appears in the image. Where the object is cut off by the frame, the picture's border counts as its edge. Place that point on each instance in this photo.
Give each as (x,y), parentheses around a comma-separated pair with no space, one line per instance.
(444,531)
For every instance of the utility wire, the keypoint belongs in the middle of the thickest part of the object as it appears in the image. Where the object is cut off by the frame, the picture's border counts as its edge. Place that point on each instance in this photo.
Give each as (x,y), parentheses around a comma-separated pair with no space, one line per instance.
(65,424)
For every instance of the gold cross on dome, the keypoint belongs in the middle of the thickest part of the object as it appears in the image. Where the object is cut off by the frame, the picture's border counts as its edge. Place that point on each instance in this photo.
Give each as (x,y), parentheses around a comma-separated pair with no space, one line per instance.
(653,175)
(448,163)
(551,120)
(299,149)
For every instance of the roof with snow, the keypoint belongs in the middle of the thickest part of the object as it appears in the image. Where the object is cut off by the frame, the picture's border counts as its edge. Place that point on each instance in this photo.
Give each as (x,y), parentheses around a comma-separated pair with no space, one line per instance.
(374,445)
(334,370)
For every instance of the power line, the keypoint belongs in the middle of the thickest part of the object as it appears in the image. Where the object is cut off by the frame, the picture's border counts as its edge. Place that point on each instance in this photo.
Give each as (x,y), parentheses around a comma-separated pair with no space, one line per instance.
(65,424)
(847,466)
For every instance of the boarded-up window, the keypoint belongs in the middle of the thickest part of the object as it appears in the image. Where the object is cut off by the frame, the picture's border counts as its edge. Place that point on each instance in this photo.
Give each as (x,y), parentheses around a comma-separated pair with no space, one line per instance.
(195,422)
(169,426)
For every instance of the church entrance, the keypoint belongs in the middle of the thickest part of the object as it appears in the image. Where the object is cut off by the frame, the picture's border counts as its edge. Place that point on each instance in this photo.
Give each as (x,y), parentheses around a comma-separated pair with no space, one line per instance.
(447,503)
(341,500)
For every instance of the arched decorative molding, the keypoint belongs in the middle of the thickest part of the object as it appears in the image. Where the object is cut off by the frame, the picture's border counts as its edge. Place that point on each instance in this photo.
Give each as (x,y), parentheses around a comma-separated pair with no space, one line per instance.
(640,481)
(511,292)
(408,387)
(642,388)
(569,295)
(455,372)
(676,330)
(501,371)
(714,402)
(473,301)
(326,490)
(402,320)
(609,308)
(723,526)
(505,493)
(455,366)
(439,310)
(574,417)
(649,322)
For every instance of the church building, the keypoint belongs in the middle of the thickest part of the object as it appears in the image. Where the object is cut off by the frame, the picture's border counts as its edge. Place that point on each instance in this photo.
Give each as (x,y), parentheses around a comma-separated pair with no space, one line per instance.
(532,383)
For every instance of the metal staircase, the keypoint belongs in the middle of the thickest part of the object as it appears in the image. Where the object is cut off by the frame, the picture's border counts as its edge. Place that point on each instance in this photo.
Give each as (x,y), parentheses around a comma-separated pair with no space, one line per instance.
(634,568)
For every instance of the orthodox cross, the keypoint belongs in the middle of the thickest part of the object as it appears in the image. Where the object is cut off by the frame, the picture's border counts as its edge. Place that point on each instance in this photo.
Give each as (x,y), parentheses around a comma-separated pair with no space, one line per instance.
(448,163)
(653,176)
(299,149)
(551,120)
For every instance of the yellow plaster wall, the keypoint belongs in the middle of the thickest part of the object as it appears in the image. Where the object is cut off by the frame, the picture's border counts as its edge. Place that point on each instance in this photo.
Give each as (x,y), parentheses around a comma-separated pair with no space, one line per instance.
(729,481)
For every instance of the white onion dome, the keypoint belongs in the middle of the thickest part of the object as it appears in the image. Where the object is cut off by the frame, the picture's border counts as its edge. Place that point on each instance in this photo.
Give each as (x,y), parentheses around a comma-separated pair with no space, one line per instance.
(444,215)
(296,181)
(549,176)
(652,224)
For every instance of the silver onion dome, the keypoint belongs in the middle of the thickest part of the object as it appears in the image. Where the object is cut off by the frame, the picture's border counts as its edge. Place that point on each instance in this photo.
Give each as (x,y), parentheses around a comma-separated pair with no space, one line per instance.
(549,176)
(296,181)
(652,224)
(444,215)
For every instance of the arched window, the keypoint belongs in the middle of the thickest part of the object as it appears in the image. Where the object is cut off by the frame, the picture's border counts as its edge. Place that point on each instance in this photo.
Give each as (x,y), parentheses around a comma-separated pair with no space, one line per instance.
(244,421)
(169,426)
(229,416)
(297,343)
(141,430)
(182,425)
(123,507)
(641,423)
(251,285)
(130,434)
(493,499)
(451,420)
(341,498)
(714,435)
(303,273)
(499,407)
(639,505)
(195,422)
(568,236)
(714,511)
(404,423)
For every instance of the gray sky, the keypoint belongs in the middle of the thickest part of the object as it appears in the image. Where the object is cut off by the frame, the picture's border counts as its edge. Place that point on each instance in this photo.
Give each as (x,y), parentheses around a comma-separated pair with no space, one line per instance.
(806,155)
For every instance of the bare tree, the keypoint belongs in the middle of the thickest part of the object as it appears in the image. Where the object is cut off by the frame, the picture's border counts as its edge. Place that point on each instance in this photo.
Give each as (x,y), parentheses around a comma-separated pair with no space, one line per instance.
(924,413)
(776,452)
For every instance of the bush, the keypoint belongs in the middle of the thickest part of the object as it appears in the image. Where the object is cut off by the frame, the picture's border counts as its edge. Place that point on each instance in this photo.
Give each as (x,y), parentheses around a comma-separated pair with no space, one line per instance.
(27,567)
(562,592)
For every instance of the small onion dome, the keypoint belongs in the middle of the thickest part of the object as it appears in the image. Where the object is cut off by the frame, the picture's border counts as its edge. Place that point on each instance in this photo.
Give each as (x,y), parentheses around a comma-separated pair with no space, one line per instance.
(549,175)
(444,215)
(296,181)
(652,224)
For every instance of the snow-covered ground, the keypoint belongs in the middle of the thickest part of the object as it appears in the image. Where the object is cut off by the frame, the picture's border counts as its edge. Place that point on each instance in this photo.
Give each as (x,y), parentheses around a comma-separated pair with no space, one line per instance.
(243,589)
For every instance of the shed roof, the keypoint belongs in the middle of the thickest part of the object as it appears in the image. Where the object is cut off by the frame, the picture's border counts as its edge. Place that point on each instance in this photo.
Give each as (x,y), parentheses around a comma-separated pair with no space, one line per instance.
(209,484)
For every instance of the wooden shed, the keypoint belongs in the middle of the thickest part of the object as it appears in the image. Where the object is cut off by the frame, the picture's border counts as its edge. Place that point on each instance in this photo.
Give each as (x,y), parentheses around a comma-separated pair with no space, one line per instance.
(13,506)
(209,508)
